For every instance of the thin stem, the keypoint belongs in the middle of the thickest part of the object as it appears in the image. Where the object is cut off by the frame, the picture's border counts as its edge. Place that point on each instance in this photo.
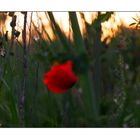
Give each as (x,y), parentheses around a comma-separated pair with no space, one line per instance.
(30,31)
(13,24)
(24,84)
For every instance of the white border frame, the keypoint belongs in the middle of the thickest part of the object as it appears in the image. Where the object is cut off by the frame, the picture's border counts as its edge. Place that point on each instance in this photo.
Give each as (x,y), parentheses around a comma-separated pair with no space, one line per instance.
(69,5)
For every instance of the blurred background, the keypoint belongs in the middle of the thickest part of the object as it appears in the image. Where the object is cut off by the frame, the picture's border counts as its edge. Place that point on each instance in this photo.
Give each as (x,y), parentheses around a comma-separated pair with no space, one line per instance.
(105,50)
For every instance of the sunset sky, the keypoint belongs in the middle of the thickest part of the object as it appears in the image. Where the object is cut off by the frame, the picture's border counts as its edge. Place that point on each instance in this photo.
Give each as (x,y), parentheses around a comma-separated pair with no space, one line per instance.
(109,28)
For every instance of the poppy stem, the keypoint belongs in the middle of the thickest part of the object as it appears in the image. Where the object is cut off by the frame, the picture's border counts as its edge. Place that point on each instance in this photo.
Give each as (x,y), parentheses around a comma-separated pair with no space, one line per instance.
(67,108)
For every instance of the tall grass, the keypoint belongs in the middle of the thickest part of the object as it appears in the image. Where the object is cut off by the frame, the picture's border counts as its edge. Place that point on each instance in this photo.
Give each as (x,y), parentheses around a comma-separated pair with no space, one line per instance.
(93,102)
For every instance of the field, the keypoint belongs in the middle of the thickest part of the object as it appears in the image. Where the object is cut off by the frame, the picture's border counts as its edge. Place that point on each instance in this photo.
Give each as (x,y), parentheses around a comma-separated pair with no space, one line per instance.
(93,83)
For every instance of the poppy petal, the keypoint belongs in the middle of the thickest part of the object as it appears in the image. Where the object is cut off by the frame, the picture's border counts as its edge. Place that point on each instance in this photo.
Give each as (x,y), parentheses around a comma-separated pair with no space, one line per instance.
(60,78)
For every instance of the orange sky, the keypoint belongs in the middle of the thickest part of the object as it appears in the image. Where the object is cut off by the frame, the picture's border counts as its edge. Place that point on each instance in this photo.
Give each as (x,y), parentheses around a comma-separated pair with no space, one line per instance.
(109,28)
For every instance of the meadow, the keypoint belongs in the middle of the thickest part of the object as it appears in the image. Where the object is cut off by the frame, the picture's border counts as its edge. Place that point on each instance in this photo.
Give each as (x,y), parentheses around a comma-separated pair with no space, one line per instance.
(100,86)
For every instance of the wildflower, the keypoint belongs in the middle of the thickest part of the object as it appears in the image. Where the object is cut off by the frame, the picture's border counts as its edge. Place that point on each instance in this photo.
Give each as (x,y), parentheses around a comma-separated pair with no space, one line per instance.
(60,78)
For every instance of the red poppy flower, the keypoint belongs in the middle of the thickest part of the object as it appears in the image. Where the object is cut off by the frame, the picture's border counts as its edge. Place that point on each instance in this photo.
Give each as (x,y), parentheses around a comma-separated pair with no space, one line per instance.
(60,78)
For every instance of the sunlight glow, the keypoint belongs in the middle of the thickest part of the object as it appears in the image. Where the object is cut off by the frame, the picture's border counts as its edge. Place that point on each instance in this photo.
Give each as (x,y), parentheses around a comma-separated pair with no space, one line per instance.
(109,27)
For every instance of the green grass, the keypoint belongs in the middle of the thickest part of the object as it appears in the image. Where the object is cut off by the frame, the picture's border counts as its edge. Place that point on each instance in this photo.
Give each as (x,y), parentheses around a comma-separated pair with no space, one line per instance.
(95,100)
